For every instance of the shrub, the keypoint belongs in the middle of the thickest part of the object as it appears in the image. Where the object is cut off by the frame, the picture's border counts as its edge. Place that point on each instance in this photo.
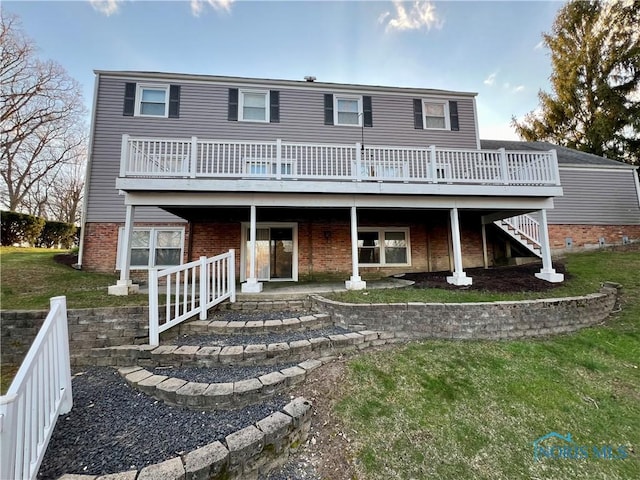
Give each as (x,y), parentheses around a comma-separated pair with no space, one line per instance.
(57,234)
(20,228)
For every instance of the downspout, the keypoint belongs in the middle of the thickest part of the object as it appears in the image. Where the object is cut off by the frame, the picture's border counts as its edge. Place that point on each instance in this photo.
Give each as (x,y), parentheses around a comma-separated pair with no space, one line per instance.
(87,175)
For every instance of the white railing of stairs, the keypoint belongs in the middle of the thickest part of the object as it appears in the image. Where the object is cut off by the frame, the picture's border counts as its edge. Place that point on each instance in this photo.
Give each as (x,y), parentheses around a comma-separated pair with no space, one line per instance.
(39,393)
(191,289)
(523,228)
(200,158)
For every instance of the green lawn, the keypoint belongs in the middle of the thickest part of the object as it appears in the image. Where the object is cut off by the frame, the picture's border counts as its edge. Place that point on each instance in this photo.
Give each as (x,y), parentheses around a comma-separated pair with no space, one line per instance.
(30,276)
(472,409)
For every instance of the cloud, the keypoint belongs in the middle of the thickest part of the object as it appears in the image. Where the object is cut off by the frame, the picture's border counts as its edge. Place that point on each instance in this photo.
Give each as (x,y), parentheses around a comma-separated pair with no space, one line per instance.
(519,88)
(220,5)
(539,45)
(491,79)
(421,15)
(107,7)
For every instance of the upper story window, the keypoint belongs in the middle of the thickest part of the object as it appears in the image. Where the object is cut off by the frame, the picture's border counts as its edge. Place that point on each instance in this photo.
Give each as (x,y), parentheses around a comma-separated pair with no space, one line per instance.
(347,110)
(248,105)
(435,114)
(151,100)
(254,106)
(350,110)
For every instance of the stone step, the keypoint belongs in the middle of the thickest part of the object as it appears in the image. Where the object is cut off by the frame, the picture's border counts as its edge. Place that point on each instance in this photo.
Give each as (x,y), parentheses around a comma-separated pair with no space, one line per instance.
(218,396)
(253,354)
(253,327)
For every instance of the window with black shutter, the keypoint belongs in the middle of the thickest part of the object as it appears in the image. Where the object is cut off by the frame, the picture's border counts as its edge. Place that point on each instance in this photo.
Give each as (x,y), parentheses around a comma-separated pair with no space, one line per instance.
(129,99)
(453,116)
(367,111)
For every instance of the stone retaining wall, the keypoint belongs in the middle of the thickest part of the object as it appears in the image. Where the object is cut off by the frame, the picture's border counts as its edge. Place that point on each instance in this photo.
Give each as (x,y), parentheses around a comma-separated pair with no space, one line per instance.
(91,328)
(495,320)
(246,454)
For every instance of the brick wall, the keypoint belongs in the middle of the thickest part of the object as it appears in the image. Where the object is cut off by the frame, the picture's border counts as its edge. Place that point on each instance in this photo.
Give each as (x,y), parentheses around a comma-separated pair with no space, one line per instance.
(101,246)
(324,242)
(586,237)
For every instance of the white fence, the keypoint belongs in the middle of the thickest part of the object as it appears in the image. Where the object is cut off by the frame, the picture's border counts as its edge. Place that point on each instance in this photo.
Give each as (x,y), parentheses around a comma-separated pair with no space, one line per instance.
(39,393)
(191,289)
(197,158)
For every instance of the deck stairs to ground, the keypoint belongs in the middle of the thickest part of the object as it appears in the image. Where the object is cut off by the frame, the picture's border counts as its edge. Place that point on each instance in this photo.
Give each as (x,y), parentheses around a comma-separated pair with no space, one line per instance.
(525,230)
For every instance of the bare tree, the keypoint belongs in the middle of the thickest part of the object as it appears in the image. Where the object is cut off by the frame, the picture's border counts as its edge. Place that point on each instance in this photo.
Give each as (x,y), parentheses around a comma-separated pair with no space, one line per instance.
(41,120)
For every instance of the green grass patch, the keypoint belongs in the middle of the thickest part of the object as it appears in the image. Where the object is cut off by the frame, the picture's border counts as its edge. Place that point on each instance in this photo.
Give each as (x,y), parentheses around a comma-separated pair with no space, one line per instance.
(472,409)
(30,277)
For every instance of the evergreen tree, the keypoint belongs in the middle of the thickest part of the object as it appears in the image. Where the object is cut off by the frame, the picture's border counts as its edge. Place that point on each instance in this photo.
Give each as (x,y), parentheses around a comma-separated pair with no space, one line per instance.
(595,104)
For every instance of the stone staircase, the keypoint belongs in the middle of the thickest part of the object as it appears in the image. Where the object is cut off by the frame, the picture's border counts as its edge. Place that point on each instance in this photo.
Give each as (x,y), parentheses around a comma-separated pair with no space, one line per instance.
(288,349)
(251,355)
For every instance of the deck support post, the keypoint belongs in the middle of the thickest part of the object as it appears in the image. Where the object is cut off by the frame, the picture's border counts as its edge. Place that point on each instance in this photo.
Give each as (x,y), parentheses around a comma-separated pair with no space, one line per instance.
(459,277)
(355,282)
(252,285)
(547,273)
(125,286)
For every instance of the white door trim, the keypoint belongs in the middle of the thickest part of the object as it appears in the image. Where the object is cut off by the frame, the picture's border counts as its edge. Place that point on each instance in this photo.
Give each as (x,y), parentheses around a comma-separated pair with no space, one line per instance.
(243,248)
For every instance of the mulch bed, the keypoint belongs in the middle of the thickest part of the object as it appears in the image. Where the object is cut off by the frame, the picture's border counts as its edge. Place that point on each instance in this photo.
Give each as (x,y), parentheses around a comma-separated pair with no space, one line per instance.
(517,278)
(66,258)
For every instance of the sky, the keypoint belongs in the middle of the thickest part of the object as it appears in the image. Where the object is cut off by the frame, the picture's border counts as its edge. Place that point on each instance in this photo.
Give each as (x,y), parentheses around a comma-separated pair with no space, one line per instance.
(492,48)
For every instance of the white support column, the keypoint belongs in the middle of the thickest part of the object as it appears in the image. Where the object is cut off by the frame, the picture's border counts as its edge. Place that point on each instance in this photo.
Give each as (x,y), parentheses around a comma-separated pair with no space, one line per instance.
(458,277)
(355,282)
(485,253)
(252,285)
(125,286)
(547,273)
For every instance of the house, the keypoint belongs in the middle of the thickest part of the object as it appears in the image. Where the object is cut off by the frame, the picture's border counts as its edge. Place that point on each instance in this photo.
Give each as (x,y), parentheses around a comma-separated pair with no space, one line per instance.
(600,205)
(304,179)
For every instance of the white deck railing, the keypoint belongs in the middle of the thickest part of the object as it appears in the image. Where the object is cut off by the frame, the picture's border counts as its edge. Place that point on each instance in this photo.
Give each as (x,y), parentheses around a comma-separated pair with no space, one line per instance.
(197,158)
(191,289)
(526,226)
(39,393)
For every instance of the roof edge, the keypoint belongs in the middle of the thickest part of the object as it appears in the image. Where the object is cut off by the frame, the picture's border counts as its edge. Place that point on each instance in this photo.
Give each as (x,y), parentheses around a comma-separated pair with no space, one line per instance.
(282,82)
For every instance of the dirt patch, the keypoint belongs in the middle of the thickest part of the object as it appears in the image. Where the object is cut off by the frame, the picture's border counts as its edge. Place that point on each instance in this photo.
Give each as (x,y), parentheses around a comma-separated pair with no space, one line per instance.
(328,448)
(520,278)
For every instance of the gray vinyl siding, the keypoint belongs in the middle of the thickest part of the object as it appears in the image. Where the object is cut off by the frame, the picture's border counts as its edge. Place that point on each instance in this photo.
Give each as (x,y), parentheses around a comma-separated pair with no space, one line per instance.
(604,197)
(203,113)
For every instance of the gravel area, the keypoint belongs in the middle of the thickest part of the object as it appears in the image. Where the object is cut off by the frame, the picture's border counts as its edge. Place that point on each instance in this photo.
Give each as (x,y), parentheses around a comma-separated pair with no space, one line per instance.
(113,428)
(213,340)
(219,374)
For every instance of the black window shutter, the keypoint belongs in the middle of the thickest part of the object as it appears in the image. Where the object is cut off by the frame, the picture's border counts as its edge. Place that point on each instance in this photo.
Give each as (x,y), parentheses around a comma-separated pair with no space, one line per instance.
(417,114)
(129,99)
(328,109)
(367,112)
(233,105)
(174,101)
(453,116)
(274,106)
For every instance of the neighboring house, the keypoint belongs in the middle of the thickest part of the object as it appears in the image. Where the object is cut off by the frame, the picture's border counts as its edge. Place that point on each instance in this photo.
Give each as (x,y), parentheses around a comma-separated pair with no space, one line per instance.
(303,179)
(600,205)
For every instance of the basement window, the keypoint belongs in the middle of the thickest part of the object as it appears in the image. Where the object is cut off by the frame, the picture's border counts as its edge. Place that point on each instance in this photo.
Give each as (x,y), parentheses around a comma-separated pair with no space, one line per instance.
(158,247)
(383,246)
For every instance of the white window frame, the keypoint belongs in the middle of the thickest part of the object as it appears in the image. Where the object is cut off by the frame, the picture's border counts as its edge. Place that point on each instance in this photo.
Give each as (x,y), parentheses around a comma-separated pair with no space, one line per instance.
(357,98)
(150,86)
(270,167)
(267,105)
(447,119)
(381,238)
(152,246)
